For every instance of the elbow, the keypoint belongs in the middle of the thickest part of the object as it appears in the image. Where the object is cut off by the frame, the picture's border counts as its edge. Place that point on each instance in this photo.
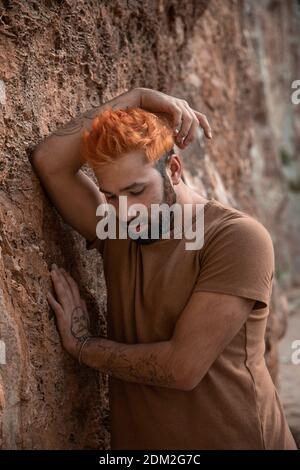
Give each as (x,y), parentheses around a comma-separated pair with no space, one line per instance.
(187,384)
(187,379)
(184,369)
(41,162)
(36,158)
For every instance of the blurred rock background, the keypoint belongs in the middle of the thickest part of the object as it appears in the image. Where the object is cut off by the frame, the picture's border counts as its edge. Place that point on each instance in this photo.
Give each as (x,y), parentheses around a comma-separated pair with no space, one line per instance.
(233,60)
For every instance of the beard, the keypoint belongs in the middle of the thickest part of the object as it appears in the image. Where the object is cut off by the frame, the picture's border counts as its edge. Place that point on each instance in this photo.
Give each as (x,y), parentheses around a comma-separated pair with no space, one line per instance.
(169,198)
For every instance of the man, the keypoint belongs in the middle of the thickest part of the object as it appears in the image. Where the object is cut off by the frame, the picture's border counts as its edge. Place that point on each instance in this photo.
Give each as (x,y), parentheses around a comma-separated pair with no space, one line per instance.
(185,346)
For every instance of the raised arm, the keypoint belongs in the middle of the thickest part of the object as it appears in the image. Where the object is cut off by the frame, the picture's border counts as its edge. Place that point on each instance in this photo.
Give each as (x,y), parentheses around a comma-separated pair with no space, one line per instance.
(57,162)
(57,159)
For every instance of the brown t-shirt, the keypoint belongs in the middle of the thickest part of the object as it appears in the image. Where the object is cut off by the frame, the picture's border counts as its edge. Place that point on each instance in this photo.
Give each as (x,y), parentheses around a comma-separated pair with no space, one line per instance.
(235,405)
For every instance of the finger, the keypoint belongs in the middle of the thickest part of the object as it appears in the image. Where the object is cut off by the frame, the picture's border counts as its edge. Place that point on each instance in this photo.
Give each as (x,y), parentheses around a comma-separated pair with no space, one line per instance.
(204,124)
(61,288)
(187,121)
(176,112)
(192,133)
(56,307)
(73,286)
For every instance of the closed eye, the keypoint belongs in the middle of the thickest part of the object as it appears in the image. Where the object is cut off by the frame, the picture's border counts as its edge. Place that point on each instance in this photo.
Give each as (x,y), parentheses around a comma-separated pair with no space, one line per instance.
(138,192)
(111,196)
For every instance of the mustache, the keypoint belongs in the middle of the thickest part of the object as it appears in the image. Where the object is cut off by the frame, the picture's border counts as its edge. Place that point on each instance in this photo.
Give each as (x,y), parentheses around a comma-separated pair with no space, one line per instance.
(147,222)
(134,221)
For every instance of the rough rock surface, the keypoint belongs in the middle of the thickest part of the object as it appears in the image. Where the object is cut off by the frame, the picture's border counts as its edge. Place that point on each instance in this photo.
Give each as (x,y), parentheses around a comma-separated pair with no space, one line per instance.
(234,61)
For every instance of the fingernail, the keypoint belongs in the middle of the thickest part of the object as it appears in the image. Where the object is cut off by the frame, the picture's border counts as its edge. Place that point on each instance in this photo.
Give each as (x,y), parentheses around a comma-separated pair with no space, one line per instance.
(176,130)
(54,266)
(210,134)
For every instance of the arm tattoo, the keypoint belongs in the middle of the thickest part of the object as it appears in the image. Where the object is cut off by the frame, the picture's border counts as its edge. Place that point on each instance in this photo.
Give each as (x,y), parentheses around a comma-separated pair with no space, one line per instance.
(127,362)
(72,127)
(77,124)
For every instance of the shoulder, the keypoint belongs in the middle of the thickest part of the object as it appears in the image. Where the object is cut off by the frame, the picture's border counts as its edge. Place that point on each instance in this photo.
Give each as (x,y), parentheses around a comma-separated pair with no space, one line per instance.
(231,222)
(238,258)
(237,233)
(249,229)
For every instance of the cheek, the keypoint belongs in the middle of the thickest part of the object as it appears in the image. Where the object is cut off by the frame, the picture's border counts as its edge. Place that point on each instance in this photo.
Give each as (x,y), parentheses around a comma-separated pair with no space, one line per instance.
(153,194)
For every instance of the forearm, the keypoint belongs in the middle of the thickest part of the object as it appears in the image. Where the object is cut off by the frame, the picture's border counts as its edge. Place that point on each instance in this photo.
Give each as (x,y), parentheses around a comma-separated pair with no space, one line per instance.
(144,363)
(61,150)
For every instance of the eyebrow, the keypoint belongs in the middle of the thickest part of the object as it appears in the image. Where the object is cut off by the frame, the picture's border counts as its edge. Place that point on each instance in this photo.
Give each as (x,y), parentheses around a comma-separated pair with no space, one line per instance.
(136,183)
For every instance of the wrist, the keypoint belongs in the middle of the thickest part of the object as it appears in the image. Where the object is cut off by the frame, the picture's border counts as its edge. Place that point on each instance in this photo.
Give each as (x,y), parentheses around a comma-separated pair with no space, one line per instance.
(72,346)
(83,344)
(76,347)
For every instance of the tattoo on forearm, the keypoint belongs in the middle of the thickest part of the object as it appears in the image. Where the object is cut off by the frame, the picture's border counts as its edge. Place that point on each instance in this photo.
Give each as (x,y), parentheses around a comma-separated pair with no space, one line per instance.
(77,124)
(145,368)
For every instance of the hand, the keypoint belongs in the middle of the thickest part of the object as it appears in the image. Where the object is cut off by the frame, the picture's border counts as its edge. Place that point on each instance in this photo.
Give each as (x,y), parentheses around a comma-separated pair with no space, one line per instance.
(70,310)
(184,118)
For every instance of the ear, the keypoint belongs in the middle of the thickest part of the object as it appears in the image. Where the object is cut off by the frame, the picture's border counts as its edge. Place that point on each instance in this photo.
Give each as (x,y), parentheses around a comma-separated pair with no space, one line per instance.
(174,168)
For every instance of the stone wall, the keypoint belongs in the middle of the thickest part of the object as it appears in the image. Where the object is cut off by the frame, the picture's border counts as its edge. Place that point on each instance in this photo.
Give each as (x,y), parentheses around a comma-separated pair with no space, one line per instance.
(232,60)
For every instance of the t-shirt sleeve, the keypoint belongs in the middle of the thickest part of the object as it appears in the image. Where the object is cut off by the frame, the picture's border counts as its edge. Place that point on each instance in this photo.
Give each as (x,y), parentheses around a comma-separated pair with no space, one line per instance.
(239,260)
(97,243)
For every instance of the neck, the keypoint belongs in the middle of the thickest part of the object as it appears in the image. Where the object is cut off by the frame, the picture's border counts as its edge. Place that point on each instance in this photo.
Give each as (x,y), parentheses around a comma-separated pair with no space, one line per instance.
(187,195)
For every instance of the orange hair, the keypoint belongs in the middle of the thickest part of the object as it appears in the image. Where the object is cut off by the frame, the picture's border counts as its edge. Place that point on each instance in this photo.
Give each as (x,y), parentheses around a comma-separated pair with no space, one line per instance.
(115,132)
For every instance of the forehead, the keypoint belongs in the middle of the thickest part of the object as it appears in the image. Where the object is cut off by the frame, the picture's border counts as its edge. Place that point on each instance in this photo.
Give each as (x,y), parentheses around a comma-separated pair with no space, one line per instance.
(128,169)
